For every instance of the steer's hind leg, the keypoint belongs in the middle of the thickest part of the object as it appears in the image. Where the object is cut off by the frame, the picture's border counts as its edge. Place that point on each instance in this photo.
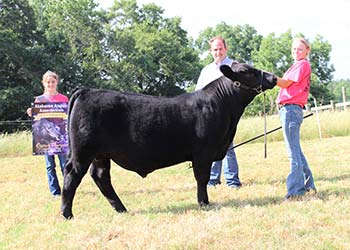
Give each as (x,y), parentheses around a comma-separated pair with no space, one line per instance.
(100,172)
(73,174)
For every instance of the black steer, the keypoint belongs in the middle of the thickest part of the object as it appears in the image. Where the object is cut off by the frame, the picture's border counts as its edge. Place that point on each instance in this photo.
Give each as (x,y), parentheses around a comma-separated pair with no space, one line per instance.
(143,133)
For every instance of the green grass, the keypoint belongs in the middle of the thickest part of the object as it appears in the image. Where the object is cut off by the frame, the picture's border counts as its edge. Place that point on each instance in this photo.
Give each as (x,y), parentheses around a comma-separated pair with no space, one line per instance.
(17,144)
(326,124)
(163,212)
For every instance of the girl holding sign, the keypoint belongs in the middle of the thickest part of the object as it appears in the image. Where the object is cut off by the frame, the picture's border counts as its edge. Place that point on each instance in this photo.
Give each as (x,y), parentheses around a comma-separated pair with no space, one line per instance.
(50,81)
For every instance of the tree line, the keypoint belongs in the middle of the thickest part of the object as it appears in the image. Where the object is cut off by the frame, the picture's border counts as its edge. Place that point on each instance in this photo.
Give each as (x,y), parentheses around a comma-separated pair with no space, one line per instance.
(128,48)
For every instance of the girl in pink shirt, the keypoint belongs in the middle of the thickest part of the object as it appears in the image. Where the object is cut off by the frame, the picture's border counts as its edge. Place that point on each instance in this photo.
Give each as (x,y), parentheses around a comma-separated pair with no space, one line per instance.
(297,92)
(50,81)
(293,95)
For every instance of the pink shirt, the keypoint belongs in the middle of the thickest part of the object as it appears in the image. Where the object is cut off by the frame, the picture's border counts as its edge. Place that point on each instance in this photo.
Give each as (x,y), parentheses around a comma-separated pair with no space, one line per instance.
(298,91)
(46,98)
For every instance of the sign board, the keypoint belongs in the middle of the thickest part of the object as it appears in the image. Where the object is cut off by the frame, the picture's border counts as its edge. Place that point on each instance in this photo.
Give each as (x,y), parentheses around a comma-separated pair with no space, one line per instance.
(49,127)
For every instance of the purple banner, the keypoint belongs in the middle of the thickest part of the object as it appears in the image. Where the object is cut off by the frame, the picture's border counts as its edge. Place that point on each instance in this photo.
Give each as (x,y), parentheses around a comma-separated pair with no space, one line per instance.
(49,128)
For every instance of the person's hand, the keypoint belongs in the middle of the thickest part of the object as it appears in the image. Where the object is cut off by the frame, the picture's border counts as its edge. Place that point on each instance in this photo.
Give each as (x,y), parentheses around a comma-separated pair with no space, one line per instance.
(29,112)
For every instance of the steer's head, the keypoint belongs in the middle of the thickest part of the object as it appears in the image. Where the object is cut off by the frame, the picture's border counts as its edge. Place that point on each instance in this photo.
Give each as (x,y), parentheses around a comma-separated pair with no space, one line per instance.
(248,77)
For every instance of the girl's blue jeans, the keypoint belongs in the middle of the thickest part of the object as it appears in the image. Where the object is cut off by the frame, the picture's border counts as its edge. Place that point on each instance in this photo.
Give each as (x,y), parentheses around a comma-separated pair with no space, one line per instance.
(54,186)
(300,179)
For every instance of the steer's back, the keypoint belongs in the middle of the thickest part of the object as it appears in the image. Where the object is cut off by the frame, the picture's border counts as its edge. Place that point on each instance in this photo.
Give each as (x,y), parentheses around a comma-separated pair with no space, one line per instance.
(136,131)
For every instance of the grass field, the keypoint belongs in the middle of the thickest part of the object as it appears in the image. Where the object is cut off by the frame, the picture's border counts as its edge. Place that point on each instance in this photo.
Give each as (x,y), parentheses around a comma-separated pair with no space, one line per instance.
(163,212)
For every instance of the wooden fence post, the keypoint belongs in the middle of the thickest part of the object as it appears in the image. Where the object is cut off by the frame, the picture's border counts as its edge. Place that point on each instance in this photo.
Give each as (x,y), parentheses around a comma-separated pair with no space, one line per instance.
(343,91)
(318,119)
(332,106)
(307,107)
(272,105)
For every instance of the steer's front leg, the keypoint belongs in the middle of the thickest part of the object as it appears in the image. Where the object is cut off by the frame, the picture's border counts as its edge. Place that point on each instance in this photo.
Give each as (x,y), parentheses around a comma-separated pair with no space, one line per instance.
(202,194)
(202,175)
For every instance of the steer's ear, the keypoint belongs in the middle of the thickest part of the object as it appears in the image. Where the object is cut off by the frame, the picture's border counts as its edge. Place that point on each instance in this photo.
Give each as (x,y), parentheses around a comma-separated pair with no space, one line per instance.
(227,71)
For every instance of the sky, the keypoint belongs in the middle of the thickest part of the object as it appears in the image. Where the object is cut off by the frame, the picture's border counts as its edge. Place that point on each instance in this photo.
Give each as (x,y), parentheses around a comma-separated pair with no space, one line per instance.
(329,19)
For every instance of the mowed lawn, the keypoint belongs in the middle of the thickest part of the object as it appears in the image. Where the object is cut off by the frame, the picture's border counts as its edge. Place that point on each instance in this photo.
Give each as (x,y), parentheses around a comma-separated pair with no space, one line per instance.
(163,211)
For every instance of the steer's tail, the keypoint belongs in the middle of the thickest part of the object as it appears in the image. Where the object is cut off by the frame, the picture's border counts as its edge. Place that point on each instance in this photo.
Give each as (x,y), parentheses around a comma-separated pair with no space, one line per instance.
(75,95)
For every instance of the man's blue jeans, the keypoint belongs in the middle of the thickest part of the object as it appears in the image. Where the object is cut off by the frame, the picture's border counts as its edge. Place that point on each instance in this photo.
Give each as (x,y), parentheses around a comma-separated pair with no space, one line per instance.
(230,169)
(300,178)
(51,172)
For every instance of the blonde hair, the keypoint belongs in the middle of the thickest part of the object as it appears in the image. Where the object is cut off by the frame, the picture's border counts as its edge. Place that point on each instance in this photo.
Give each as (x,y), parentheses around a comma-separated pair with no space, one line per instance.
(50,73)
(305,42)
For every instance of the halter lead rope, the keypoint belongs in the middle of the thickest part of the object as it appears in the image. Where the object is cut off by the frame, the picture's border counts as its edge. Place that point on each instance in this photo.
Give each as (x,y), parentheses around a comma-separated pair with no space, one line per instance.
(259,90)
(265,123)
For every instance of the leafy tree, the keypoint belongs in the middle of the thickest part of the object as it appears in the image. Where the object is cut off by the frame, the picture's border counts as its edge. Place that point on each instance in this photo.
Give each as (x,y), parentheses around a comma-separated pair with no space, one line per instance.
(19,60)
(320,60)
(273,54)
(241,41)
(74,40)
(335,87)
(149,53)
(322,70)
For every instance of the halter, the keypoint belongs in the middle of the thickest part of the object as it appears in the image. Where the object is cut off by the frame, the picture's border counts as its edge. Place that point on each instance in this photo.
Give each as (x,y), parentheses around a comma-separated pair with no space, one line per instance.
(257,89)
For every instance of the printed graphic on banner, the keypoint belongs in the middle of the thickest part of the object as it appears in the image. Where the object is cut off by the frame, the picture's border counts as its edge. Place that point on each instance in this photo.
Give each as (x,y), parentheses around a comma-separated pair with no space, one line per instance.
(49,128)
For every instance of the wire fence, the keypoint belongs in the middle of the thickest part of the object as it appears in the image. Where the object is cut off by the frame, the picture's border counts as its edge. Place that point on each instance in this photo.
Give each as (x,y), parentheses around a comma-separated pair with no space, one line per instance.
(14,126)
(15,122)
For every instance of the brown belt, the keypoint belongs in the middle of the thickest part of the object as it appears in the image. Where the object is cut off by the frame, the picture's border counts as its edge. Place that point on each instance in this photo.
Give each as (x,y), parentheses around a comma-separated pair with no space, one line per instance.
(289,104)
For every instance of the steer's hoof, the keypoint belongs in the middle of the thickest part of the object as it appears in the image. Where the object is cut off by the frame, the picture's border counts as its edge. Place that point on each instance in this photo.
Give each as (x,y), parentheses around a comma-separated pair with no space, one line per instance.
(67,216)
(204,206)
(121,210)
(204,203)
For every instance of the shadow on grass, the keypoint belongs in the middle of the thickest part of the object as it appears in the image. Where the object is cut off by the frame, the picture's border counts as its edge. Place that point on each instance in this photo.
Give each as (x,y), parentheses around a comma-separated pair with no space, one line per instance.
(324,195)
(183,207)
(160,190)
(334,178)
(277,181)
(329,193)
(236,203)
